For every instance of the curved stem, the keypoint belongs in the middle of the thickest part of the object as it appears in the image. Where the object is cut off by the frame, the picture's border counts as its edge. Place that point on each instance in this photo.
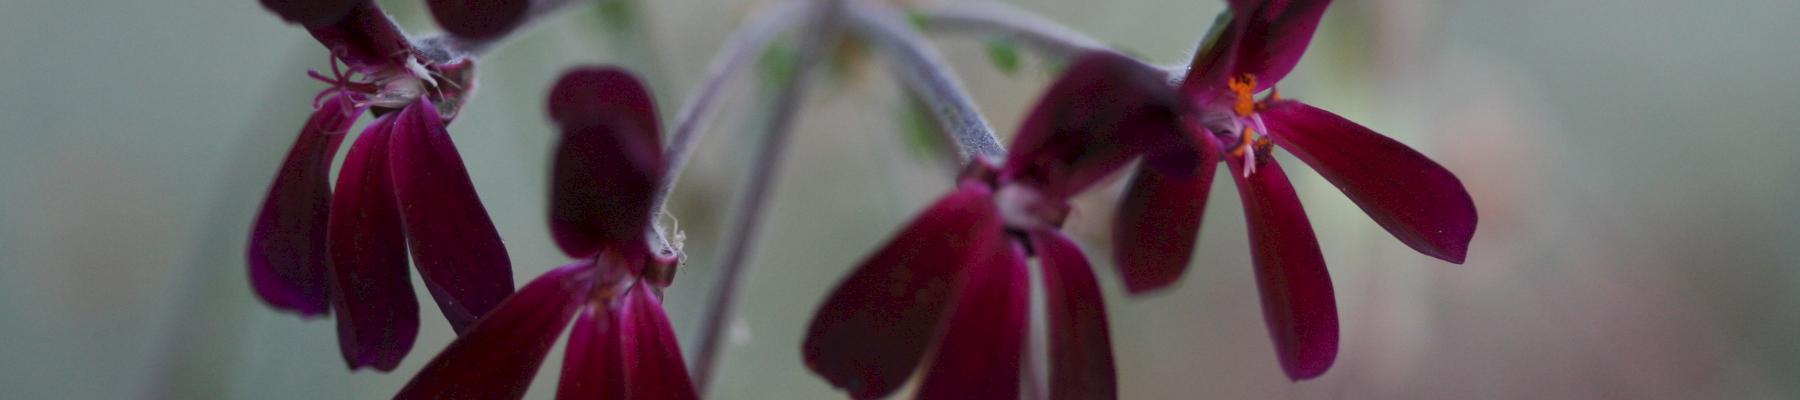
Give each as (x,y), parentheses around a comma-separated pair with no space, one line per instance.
(752,203)
(1037,32)
(926,72)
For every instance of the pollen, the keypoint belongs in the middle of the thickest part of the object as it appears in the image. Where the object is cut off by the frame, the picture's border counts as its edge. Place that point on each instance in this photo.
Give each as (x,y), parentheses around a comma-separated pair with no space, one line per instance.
(1243,88)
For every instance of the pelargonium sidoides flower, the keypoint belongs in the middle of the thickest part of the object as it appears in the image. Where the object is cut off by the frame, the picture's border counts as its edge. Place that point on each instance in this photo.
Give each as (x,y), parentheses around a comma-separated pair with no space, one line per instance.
(402,187)
(602,185)
(956,275)
(1412,197)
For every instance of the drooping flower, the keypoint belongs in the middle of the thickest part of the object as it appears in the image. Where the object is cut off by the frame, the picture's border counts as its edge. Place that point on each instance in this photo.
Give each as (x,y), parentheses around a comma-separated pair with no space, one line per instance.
(1412,197)
(402,187)
(606,170)
(956,275)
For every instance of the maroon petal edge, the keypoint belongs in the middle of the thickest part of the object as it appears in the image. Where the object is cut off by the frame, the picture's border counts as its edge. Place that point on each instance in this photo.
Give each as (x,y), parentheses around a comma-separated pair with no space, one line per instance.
(1298,304)
(286,254)
(1414,198)
(979,356)
(651,351)
(609,163)
(593,367)
(1104,111)
(377,315)
(872,331)
(499,355)
(454,244)
(478,19)
(1081,359)
(1158,222)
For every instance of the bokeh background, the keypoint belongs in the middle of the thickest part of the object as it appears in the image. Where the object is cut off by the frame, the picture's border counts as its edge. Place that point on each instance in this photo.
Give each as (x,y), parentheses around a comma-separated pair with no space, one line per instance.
(1633,163)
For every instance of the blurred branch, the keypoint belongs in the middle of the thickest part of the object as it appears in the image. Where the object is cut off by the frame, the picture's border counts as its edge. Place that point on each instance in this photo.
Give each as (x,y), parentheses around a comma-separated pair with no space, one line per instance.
(929,76)
(815,40)
(1042,34)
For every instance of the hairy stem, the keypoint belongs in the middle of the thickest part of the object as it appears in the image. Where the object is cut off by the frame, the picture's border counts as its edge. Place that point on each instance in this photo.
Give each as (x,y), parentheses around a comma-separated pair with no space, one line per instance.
(929,76)
(814,41)
(1037,32)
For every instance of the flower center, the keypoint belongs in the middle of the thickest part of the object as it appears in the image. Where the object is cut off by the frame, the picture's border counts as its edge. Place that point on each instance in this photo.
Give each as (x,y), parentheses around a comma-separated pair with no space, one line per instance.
(1251,141)
(1026,208)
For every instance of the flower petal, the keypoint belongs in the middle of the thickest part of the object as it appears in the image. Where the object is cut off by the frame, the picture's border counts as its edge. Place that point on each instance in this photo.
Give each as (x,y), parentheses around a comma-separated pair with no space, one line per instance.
(454,245)
(1265,39)
(651,350)
(609,163)
(310,12)
(287,242)
(365,38)
(1103,111)
(593,367)
(1158,222)
(979,357)
(1414,198)
(481,19)
(378,317)
(1081,360)
(871,332)
(1298,304)
(497,357)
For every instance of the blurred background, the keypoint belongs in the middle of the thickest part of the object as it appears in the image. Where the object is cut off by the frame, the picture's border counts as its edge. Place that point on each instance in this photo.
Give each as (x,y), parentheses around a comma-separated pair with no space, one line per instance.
(1633,163)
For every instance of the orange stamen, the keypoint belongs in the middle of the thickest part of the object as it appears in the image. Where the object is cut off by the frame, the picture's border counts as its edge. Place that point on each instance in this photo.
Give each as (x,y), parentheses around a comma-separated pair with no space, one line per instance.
(1243,87)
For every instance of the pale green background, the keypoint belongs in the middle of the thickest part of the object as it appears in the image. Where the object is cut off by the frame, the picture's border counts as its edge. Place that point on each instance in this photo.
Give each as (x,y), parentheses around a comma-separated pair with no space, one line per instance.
(1633,162)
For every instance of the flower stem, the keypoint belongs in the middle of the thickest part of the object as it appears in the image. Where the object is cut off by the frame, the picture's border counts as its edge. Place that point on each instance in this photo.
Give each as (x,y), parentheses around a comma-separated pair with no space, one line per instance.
(751,205)
(1037,32)
(930,77)
(692,121)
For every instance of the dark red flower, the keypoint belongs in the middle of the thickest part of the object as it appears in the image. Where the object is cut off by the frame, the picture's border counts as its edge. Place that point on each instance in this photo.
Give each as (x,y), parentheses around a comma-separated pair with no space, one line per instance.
(955,277)
(1415,199)
(622,347)
(402,187)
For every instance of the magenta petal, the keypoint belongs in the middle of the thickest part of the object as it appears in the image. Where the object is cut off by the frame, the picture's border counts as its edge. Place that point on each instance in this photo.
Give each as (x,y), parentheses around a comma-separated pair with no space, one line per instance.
(454,245)
(1298,304)
(1103,111)
(1265,39)
(651,350)
(872,331)
(608,166)
(378,318)
(497,357)
(592,365)
(365,38)
(1158,222)
(287,242)
(478,19)
(1081,360)
(979,356)
(311,12)
(1414,198)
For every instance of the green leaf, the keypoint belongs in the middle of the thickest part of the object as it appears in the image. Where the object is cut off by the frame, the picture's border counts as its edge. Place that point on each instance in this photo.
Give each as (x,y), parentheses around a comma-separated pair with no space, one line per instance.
(1004,53)
(922,136)
(777,63)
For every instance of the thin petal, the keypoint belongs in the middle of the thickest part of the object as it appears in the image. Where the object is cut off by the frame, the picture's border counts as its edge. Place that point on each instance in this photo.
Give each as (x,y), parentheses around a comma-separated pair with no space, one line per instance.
(593,367)
(365,38)
(1104,111)
(651,350)
(1158,222)
(287,242)
(1265,39)
(454,245)
(1081,360)
(1414,198)
(609,163)
(310,12)
(1298,304)
(871,332)
(378,317)
(497,357)
(979,357)
(481,19)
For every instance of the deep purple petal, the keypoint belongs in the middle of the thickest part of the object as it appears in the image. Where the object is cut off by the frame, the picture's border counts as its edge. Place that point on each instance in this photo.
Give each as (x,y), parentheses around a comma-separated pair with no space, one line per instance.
(365,38)
(1265,39)
(478,19)
(1081,359)
(1414,198)
(872,331)
(1103,111)
(651,350)
(287,241)
(979,357)
(310,12)
(1298,304)
(378,317)
(1158,222)
(607,167)
(592,365)
(497,357)
(454,245)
